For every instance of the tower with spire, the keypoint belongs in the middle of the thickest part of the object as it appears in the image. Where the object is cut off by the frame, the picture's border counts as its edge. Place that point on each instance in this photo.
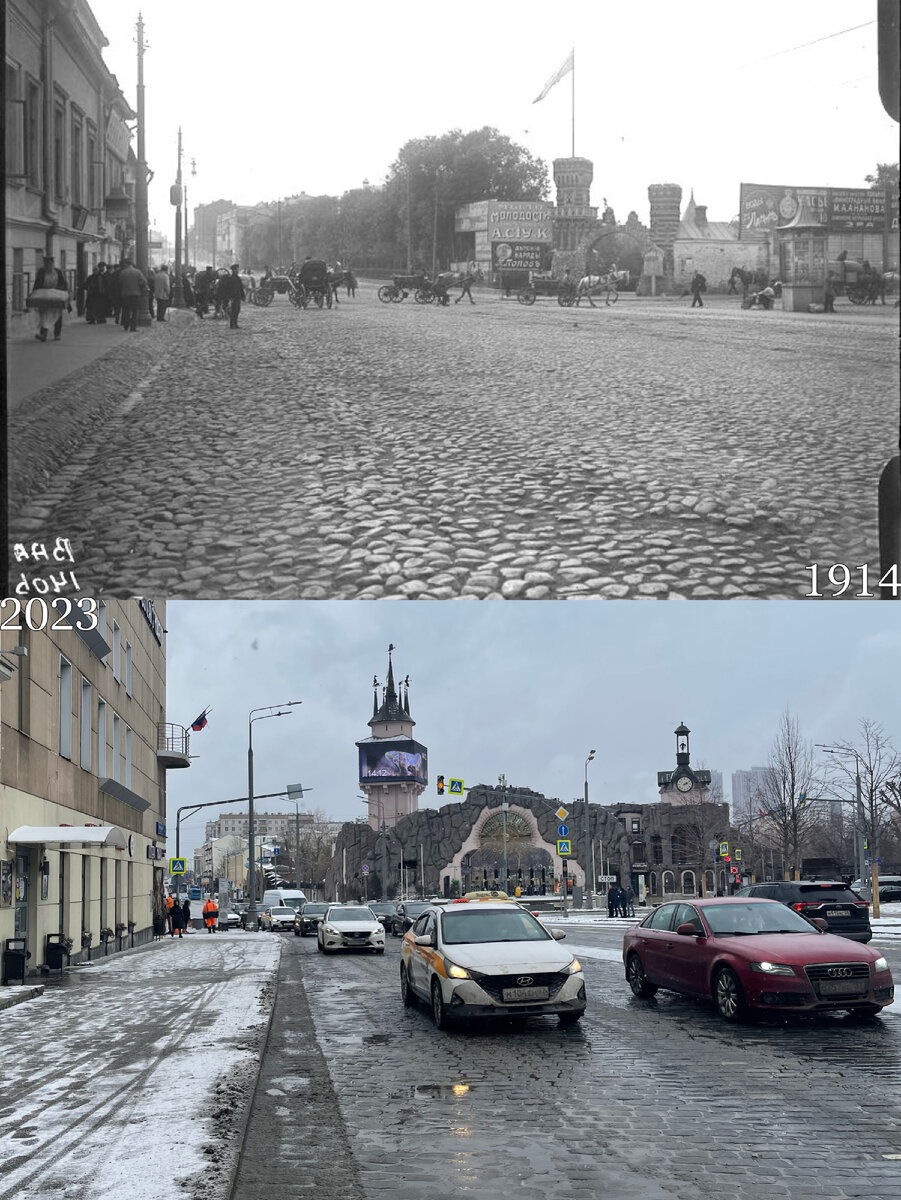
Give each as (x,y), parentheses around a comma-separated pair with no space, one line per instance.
(393,767)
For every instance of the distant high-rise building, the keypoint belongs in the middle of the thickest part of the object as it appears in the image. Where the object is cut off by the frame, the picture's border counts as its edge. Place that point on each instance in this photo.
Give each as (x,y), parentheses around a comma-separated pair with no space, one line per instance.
(748,791)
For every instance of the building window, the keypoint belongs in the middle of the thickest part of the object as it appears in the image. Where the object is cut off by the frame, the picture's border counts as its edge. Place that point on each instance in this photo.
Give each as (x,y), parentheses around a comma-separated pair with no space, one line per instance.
(85,725)
(59,149)
(32,143)
(92,168)
(127,757)
(128,668)
(117,745)
(13,123)
(101,738)
(76,158)
(65,708)
(117,652)
(636,825)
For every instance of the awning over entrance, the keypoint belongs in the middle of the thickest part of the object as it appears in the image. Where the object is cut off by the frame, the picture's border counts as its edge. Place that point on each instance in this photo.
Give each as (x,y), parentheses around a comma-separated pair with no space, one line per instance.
(67,835)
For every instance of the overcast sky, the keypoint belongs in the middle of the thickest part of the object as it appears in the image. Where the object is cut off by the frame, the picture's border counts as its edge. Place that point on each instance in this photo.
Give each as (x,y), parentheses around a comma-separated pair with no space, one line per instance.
(289,96)
(521,689)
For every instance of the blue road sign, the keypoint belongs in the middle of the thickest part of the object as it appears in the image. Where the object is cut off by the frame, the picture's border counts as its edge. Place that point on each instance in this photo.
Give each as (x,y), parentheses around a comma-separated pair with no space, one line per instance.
(455,787)
(564,846)
(365,868)
(562,830)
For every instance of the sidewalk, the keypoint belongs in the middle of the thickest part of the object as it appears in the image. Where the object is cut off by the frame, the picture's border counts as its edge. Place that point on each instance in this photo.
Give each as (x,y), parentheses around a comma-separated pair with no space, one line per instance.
(34,365)
(133,1077)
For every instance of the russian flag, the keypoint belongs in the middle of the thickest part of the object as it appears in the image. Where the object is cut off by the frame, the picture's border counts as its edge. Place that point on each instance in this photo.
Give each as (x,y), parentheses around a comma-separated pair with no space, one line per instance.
(200,722)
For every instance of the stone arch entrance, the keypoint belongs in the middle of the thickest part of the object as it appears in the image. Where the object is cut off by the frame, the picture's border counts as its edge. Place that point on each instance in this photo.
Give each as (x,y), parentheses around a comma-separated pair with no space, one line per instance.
(615,246)
(530,857)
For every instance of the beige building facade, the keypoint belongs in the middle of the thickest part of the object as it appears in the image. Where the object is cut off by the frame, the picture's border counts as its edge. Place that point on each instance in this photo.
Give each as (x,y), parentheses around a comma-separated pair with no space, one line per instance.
(84,750)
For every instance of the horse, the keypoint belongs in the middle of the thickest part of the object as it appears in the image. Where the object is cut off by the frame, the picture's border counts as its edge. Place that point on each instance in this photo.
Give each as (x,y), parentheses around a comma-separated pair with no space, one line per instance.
(744,277)
(608,284)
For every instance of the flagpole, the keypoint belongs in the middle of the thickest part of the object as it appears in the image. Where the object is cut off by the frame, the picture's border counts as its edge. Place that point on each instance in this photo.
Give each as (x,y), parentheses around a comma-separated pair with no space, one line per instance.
(574,102)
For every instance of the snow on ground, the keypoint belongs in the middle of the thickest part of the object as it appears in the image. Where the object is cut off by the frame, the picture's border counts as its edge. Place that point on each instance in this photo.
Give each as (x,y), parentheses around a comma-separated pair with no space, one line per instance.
(130,1079)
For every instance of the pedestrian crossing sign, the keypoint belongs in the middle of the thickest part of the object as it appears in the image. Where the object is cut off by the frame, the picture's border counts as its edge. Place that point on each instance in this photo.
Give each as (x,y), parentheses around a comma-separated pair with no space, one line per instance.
(564,846)
(177,866)
(455,787)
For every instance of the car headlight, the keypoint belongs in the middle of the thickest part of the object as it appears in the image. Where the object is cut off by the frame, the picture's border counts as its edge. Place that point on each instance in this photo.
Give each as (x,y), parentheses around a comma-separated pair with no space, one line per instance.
(768,968)
(574,967)
(880,964)
(329,929)
(455,972)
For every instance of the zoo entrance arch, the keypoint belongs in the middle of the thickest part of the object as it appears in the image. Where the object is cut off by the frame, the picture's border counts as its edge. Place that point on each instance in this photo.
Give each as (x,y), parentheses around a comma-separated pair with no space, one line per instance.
(604,244)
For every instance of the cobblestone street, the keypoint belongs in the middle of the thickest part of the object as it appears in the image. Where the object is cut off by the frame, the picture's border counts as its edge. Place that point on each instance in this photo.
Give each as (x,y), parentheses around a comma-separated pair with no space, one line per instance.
(645,450)
(651,1100)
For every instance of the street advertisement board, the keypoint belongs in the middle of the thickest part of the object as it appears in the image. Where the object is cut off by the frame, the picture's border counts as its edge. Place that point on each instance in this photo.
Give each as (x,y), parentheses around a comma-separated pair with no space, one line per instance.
(764,207)
(517,256)
(394,759)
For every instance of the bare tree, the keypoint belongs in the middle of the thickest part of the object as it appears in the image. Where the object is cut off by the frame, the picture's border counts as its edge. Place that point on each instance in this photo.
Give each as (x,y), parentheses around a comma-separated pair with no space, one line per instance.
(791,777)
(868,770)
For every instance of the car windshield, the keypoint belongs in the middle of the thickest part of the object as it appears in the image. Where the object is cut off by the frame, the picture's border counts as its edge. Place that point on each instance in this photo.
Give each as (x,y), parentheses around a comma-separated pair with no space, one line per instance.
(472,925)
(282,912)
(414,910)
(313,910)
(382,907)
(351,914)
(737,920)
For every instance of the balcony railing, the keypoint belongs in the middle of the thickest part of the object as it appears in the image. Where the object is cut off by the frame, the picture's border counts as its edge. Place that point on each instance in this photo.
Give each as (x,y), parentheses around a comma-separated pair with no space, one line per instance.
(173,745)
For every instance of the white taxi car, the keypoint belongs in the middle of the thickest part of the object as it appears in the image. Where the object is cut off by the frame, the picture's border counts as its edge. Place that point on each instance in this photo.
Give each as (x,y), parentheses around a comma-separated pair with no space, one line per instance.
(277,917)
(489,960)
(350,927)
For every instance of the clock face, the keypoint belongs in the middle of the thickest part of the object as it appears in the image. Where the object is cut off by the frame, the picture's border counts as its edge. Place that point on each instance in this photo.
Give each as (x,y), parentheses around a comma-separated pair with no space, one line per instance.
(684,784)
(131,844)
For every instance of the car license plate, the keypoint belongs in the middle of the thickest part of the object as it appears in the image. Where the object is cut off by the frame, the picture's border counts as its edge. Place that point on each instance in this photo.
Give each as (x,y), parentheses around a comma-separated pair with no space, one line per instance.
(526,993)
(837,912)
(843,987)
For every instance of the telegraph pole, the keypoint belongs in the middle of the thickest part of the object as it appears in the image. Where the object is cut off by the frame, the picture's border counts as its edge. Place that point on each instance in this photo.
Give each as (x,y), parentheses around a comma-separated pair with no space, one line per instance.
(141,217)
(175,198)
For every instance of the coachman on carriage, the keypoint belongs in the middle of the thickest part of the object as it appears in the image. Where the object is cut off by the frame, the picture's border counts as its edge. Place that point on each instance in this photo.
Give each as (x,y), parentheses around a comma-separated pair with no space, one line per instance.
(313,285)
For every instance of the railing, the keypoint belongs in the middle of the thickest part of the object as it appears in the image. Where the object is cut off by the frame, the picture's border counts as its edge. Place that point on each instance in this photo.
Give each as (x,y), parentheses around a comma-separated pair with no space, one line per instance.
(174,739)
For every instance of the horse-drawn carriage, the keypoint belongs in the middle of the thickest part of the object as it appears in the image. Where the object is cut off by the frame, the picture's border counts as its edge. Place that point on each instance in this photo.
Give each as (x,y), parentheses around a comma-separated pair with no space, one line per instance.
(313,285)
(547,285)
(270,286)
(401,286)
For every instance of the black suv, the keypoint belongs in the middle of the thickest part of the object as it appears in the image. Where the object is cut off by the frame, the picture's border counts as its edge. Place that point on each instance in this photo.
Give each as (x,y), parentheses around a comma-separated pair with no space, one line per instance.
(306,919)
(843,910)
(406,914)
(383,910)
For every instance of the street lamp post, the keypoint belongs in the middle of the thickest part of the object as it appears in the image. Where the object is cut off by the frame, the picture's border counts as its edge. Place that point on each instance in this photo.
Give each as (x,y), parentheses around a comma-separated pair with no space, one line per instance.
(295,795)
(251,915)
(586,842)
(860,853)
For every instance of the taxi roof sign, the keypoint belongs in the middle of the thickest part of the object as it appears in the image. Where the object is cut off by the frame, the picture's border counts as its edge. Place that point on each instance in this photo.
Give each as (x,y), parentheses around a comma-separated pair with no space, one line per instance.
(177,866)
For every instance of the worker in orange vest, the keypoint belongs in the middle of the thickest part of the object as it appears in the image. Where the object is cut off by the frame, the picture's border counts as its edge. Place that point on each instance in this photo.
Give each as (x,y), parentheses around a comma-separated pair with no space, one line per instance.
(211,914)
(170,904)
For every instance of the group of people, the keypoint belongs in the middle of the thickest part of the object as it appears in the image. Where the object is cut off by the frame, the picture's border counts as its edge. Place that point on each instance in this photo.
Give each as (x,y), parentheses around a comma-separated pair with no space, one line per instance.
(224,290)
(177,918)
(620,901)
(117,292)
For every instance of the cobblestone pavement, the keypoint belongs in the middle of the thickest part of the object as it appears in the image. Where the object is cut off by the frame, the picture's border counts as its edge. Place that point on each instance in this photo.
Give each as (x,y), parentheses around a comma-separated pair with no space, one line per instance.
(645,450)
(655,1100)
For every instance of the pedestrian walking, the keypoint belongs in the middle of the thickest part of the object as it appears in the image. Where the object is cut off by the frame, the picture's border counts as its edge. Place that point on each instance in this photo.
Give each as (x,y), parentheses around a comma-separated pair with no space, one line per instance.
(203,283)
(229,294)
(698,285)
(50,296)
(113,294)
(830,293)
(186,912)
(170,904)
(162,291)
(132,286)
(96,296)
(211,915)
(178,921)
(159,924)
(611,900)
(629,902)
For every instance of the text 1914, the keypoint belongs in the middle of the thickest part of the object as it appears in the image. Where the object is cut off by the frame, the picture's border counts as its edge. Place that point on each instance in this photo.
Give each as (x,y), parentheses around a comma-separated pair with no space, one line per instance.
(838,579)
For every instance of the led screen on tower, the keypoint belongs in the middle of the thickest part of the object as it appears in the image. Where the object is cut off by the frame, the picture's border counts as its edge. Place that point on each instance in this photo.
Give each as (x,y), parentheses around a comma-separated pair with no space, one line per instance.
(390,761)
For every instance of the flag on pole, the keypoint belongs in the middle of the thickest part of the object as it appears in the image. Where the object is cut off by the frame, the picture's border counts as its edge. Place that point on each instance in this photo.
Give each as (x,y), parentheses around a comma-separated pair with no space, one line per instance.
(200,722)
(563,69)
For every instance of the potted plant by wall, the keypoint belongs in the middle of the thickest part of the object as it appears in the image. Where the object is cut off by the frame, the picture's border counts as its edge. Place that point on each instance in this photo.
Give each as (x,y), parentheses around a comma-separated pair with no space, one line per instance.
(86,939)
(120,929)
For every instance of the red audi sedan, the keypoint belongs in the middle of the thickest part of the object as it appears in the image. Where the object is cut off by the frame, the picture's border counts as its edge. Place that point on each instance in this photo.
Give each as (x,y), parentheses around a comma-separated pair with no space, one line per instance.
(753,954)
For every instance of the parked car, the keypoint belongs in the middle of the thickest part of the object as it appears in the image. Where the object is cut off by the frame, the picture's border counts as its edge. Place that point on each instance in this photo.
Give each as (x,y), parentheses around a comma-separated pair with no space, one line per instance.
(404,916)
(230,918)
(889,888)
(307,919)
(350,927)
(489,959)
(747,953)
(383,910)
(844,912)
(276,918)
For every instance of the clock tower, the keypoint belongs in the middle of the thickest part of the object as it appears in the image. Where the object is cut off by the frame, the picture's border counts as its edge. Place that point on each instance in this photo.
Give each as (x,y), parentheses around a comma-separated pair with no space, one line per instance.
(684,785)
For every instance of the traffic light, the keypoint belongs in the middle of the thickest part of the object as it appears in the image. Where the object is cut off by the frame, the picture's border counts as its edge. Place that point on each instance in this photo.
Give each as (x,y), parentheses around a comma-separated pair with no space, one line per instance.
(440,785)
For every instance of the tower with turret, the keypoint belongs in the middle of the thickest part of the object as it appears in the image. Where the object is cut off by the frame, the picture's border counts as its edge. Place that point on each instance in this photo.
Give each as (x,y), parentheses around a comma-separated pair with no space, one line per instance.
(393,766)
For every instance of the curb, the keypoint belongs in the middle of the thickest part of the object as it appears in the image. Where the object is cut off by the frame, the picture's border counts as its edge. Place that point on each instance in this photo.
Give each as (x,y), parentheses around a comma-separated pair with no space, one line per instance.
(11,996)
(231,1177)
